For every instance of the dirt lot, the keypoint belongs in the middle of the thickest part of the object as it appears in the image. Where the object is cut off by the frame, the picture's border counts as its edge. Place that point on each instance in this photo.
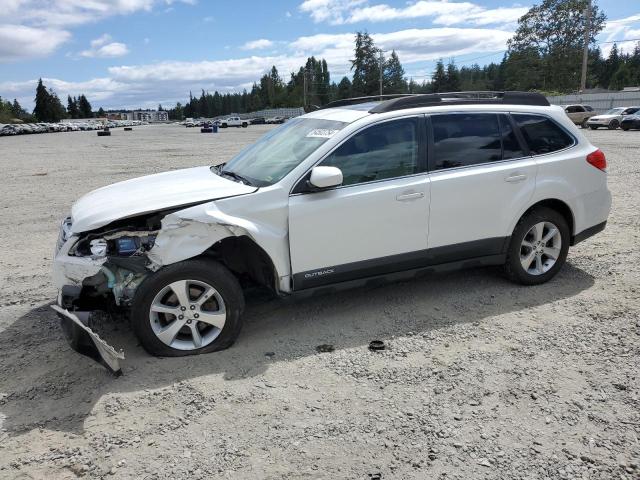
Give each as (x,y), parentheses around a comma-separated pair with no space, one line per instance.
(482,378)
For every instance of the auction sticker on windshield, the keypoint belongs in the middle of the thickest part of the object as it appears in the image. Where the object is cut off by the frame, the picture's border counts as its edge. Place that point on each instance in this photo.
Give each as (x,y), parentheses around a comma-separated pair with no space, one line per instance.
(321,133)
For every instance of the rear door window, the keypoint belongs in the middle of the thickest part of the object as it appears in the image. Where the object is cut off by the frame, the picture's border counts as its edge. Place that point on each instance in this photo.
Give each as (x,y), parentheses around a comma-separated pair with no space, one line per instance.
(542,134)
(462,139)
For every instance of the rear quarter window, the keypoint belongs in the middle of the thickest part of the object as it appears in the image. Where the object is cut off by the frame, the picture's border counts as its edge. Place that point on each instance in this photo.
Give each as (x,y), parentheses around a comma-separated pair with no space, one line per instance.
(542,134)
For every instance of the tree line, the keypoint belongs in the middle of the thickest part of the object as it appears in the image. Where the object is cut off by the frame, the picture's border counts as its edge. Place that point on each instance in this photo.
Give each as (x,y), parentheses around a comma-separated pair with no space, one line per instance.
(544,54)
(12,110)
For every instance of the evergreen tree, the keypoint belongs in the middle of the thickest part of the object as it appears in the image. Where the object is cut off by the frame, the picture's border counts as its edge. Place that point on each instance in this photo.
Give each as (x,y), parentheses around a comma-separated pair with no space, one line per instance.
(365,66)
(439,78)
(55,108)
(452,78)
(394,81)
(84,107)
(17,110)
(72,107)
(42,101)
(612,64)
(621,78)
(344,88)
(101,113)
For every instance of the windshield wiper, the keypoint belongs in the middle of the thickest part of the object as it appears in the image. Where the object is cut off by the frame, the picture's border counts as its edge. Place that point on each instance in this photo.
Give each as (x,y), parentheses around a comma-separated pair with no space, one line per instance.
(237,176)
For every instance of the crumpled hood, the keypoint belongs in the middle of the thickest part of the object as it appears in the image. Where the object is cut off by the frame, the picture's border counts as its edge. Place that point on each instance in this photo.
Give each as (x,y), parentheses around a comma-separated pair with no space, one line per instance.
(151,193)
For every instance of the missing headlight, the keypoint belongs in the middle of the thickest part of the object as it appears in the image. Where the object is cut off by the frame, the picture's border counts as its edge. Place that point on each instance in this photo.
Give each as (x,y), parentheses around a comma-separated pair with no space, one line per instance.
(128,246)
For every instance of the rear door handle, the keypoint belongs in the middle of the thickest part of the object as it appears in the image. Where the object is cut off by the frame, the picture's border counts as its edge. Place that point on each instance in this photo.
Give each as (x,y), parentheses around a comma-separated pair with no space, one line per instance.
(519,177)
(409,196)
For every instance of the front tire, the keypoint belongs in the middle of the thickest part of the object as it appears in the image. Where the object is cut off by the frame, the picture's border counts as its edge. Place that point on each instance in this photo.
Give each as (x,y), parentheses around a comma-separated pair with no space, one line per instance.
(538,248)
(188,308)
(593,127)
(614,124)
(584,124)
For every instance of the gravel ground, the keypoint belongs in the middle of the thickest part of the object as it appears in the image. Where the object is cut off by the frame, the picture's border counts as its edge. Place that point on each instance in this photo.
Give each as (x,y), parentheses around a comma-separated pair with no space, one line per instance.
(481,378)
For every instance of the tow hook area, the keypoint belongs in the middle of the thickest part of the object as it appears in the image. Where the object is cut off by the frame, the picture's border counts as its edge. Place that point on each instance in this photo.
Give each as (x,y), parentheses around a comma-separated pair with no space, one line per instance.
(85,341)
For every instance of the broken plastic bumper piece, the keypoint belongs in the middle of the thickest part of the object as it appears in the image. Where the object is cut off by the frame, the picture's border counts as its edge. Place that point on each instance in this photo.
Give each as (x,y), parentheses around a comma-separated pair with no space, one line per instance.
(85,341)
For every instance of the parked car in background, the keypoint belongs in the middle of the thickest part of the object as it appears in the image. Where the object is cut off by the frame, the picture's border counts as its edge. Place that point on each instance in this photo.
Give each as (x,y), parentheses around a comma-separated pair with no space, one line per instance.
(6,130)
(631,122)
(234,122)
(275,120)
(612,118)
(258,121)
(579,114)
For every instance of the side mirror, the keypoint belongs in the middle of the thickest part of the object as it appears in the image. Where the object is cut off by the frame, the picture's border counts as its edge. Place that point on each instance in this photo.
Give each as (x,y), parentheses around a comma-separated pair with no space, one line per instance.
(325,177)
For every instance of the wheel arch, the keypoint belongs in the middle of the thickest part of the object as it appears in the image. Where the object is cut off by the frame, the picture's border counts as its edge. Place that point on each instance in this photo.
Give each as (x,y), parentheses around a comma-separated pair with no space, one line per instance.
(557,205)
(244,257)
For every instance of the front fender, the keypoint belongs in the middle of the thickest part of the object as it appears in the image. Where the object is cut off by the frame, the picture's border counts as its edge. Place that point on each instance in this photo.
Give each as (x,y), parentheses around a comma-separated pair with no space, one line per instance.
(190,232)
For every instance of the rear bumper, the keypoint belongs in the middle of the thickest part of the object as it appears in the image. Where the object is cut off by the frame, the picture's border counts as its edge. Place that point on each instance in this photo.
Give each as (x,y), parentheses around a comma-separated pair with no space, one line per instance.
(589,232)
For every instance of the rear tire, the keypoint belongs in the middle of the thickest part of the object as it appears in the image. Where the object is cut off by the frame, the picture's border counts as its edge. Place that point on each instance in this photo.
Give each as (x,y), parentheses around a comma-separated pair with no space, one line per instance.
(540,241)
(593,127)
(584,124)
(170,321)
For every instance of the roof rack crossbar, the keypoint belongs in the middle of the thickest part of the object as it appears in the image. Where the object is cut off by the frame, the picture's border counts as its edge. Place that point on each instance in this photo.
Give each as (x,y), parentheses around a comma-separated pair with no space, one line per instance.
(461,98)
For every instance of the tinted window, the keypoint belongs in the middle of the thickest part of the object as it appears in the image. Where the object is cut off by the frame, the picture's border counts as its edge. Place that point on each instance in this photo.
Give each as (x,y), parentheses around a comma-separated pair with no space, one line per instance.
(387,150)
(465,139)
(541,134)
(510,145)
(588,108)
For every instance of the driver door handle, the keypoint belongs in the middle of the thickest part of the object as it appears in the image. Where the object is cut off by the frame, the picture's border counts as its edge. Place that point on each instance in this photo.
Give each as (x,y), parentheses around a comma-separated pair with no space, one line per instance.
(409,196)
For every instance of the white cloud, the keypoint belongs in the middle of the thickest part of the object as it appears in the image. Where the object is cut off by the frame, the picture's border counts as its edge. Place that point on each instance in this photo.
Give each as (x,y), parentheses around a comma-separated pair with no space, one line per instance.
(412,45)
(257,44)
(232,71)
(18,42)
(622,30)
(103,47)
(170,81)
(339,12)
(30,28)
(332,11)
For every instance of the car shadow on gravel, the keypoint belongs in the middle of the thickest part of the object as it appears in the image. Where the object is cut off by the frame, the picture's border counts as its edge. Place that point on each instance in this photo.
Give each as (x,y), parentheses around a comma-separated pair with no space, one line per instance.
(45,384)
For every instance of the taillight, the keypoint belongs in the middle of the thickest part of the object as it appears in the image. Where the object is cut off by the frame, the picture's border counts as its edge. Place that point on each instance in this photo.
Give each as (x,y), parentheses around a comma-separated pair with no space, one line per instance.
(597,159)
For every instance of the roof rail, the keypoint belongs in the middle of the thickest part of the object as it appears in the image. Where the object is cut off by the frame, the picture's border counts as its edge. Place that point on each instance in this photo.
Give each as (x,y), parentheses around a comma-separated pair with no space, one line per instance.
(461,98)
(357,100)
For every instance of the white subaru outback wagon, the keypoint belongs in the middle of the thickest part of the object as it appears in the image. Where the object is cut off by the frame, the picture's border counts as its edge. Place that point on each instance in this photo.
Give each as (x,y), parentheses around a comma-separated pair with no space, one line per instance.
(348,194)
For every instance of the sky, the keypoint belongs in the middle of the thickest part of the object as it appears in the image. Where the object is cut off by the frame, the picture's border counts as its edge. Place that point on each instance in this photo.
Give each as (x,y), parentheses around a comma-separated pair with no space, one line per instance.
(139,53)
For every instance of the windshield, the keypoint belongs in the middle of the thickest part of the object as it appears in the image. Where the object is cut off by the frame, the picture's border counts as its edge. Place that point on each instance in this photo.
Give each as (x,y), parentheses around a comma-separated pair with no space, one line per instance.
(277,153)
(614,111)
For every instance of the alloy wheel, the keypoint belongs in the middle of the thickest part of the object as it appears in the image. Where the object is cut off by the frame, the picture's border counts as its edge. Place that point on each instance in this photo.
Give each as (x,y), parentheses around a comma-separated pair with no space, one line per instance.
(187,314)
(540,248)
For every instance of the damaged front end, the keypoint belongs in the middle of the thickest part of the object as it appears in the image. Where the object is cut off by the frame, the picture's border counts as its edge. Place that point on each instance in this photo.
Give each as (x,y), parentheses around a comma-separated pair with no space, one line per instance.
(100,270)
